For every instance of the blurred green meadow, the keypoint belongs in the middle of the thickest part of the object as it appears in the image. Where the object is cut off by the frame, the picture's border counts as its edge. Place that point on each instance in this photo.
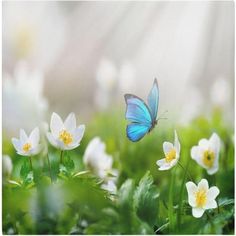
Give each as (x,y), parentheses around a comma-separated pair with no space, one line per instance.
(70,200)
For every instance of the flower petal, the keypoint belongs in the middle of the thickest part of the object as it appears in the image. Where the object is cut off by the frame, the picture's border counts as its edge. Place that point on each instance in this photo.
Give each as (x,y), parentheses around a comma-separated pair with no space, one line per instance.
(23,136)
(191,189)
(17,144)
(213,169)
(36,150)
(56,124)
(34,137)
(197,212)
(195,153)
(167,146)
(215,142)
(204,143)
(52,140)
(70,147)
(177,143)
(203,184)
(213,192)
(70,122)
(210,204)
(166,166)
(161,162)
(78,134)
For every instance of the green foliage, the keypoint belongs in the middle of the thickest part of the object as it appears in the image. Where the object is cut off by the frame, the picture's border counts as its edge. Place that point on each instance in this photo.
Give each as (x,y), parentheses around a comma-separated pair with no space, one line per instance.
(67,199)
(145,199)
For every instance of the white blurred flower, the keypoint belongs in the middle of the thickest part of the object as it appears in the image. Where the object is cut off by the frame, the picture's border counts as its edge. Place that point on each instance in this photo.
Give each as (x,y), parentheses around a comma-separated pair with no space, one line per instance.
(6,165)
(110,187)
(201,197)
(106,78)
(27,36)
(220,92)
(192,105)
(23,101)
(206,154)
(126,77)
(96,159)
(106,75)
(172,154)
(27,146)
(65,135)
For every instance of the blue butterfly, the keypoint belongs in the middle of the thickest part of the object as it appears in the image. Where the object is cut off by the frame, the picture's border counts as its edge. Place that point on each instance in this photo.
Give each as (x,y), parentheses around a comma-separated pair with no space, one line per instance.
(142,116)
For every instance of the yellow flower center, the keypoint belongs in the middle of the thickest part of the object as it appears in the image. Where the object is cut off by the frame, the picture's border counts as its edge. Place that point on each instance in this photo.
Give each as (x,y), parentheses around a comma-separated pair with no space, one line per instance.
(171,155)
(208,158)
(65,137)
(26,147)
(201,197)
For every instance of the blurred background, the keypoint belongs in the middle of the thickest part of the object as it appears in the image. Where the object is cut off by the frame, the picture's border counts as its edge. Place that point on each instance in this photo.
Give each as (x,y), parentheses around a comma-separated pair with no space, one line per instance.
(84,56)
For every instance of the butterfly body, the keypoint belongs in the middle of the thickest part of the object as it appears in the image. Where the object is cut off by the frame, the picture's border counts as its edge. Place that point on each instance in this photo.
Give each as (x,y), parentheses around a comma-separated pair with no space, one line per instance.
(143,117)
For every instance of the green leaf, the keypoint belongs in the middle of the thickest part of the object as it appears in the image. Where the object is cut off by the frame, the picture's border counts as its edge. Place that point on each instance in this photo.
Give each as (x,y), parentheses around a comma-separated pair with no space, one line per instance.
(25,169)
(69,163)
(145,199)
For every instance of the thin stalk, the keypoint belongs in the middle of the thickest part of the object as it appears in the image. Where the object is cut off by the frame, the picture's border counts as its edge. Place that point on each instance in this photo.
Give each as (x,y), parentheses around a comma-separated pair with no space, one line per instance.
(31,165)
(170,203)
(189,176)
(61,157)
(49,166)
(181,196)
(210,219)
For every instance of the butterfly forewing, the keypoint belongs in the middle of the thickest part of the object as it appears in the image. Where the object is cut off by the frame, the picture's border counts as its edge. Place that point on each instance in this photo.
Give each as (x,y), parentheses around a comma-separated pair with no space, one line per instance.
(153,99)
(137,111)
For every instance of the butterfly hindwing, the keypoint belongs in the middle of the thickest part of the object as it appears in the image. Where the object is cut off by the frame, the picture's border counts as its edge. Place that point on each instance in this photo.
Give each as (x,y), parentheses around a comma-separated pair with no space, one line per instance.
(153,99)
(137,111)
(135,131)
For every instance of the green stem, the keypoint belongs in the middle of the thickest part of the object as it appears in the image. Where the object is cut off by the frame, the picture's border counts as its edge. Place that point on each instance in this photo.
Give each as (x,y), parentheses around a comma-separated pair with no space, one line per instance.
(210,220)
(61,157)
(189,176)
(170,203)
(49,165)
(181,196)
(31,165)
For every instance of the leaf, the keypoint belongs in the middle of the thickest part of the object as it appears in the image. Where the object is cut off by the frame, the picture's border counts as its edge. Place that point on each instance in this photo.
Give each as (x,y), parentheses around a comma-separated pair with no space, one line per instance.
(25,169)
(125,195)
(225,202)
(145,199)
(15,183)
(69,163)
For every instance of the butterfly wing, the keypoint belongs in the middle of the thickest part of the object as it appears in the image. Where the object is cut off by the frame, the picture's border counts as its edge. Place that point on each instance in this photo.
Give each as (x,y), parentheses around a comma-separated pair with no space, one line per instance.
(139,114)
(153,100)
(135,131)
(137,111)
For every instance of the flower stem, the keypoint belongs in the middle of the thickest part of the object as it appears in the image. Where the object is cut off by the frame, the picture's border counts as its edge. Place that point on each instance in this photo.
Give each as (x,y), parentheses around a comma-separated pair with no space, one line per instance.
(31,165)
(181,196)
(61,157)
(189,176)
(170,203)
(49,165)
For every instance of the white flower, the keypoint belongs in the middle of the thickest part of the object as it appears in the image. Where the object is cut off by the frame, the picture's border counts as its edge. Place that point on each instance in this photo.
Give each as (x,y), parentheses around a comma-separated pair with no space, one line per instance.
(65,135)
(206,154)
(110,187)
(27,146)
(23,98)
(26,36)
(126,77)
(172,152)
(201,197)
(106,78)
(96,159)
(220,92)
(6,165)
